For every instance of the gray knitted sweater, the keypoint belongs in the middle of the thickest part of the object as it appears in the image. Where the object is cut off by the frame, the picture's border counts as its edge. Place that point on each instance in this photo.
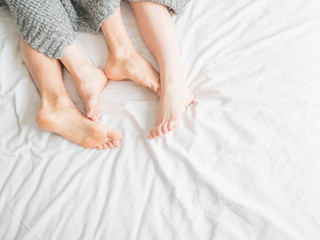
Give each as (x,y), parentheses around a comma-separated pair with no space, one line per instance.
(49,25)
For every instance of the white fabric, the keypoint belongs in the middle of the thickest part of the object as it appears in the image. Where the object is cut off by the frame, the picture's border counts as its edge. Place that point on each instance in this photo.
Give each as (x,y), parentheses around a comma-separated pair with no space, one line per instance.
(243,164)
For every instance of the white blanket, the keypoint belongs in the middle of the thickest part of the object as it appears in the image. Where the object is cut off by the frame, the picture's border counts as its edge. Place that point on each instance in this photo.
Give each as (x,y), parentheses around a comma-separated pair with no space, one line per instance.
(243,164)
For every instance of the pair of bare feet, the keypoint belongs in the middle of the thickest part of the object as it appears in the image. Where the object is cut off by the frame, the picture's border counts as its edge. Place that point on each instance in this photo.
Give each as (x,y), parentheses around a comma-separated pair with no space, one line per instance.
(91,81)
(173,98)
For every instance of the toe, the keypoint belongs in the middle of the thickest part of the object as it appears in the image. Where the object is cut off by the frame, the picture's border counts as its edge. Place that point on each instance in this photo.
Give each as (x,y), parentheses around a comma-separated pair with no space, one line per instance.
(153,133)
(93,107)
(155,87)
(171,125)
(110,145)
(100,147)
(164,128)
(114,135)
(116,143)
(92,117)
(105,146)
(158,131)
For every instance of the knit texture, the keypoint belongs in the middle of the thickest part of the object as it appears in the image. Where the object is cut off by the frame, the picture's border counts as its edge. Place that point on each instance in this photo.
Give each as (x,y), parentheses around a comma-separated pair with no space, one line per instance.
(49,25)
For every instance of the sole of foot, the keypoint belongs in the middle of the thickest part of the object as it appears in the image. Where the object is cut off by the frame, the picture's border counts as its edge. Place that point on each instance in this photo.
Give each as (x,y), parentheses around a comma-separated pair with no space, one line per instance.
(172,105)
(66,120)
(90,82)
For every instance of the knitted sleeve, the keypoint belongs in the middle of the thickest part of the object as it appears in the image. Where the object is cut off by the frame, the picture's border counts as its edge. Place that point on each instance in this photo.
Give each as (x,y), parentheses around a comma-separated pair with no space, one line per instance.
(49,25)
(88,15)
(43,24)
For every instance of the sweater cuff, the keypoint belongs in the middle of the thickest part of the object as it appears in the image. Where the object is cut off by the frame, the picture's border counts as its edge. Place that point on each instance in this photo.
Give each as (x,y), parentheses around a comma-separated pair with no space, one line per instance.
(47,42)
(101,11)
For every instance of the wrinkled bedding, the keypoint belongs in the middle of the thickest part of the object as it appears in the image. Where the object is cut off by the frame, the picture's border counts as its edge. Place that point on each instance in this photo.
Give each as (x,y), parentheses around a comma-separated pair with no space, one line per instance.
(243,164)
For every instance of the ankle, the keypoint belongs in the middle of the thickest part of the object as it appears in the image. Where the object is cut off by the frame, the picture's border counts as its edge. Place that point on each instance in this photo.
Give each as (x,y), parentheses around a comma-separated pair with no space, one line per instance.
(121,53)
(52,100)
(79,68)
(172,81)
(171,72)
(73,59)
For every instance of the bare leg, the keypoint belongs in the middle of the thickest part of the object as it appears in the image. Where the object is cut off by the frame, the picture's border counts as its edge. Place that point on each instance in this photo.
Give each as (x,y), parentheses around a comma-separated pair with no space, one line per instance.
(58,114)
(124,62)
(89,79)
(159,34)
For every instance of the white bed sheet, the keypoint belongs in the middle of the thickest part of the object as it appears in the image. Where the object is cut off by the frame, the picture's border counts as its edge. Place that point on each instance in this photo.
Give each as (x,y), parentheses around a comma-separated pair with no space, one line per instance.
(243,164)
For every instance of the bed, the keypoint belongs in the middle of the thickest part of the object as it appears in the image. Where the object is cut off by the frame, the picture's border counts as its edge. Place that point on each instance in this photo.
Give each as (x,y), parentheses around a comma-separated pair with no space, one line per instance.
(243,164)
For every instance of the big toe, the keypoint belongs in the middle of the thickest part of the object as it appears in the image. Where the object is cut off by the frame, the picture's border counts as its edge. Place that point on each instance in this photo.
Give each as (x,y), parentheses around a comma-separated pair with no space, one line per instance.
(153,133)
(155,87)
(156,131)
(114,135)
(93,108)
(172,125)
(116,143)
(164,128)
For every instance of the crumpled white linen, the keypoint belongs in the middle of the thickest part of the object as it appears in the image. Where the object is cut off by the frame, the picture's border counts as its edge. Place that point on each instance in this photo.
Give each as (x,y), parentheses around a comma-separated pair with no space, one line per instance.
(243,164)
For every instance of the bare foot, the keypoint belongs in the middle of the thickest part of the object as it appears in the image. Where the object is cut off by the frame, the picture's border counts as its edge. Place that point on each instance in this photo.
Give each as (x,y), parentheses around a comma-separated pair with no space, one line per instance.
(173,101)
(132,66)
(90,82)
(66,120)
